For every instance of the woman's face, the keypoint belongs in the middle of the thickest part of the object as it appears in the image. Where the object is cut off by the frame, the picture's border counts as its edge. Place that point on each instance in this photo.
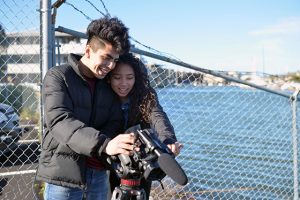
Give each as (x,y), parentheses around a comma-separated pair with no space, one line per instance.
(122,80)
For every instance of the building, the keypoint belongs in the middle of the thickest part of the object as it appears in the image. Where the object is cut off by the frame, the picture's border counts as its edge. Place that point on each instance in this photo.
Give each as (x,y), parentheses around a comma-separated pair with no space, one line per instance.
(22,56)
(22,59)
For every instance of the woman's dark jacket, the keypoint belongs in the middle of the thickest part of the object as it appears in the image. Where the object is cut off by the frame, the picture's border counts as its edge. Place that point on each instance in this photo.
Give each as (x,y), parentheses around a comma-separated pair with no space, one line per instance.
(161,124)
(158,120)
(72,123)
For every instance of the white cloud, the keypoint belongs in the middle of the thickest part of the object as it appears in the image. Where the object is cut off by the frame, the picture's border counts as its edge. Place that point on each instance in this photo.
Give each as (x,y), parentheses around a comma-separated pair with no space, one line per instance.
(286,26)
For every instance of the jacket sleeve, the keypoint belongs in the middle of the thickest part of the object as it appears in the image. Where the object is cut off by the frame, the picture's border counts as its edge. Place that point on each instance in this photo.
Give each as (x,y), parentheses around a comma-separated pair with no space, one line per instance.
(160,122)
(60,119)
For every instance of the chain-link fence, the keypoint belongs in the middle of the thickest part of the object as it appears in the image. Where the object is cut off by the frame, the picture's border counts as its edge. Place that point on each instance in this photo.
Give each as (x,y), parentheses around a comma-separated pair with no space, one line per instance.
(19,98)
(240,142)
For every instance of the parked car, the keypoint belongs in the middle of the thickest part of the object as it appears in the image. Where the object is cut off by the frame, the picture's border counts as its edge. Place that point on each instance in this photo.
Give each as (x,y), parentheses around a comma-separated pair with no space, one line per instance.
(10,129)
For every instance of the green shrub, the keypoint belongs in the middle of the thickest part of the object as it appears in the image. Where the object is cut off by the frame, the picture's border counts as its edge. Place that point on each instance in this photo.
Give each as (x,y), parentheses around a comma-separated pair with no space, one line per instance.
(295,78)
(20,97)
(29,116)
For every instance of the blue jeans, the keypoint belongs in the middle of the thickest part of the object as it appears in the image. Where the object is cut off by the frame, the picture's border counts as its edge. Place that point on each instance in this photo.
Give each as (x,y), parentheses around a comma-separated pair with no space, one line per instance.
(97,188)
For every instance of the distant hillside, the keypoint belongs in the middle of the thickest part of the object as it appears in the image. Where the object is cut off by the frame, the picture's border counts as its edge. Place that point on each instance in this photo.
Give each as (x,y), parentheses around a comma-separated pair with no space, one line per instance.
(294,77)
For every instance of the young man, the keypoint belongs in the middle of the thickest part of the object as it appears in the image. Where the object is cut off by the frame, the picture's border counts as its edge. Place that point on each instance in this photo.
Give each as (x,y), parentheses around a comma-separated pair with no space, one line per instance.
(82,115)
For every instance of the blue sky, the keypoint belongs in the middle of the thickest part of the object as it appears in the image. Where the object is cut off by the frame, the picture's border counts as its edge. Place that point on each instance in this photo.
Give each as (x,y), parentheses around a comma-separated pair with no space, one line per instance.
(252,35)
(241,35)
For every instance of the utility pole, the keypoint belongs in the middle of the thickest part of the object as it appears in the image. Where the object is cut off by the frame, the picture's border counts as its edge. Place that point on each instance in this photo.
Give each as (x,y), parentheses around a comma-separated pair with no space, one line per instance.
(263,61)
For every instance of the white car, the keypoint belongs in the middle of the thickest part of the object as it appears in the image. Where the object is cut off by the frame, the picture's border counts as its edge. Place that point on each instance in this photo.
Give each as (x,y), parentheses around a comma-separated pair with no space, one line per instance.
(10,130)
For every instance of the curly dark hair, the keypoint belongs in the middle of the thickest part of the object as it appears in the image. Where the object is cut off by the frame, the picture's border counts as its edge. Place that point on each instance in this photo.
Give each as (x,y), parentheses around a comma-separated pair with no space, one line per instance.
(111,30)
(142,96)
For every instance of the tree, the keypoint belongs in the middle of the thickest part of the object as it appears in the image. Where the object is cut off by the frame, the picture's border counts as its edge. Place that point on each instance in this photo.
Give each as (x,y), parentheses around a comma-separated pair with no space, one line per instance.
(3,47)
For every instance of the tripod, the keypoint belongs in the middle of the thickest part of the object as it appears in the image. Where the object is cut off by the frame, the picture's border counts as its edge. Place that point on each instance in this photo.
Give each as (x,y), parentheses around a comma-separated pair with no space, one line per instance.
(129,189)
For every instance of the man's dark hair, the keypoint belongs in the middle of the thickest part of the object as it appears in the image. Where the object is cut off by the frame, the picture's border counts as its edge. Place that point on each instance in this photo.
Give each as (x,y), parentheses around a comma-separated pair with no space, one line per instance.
(111,30)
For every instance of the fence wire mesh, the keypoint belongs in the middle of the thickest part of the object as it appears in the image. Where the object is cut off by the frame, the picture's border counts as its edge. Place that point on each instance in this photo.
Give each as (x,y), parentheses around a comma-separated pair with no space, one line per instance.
(19,98)
(237,140)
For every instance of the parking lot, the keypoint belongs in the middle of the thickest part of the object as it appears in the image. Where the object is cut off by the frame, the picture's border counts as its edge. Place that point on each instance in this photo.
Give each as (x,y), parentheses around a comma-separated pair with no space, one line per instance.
(18,169)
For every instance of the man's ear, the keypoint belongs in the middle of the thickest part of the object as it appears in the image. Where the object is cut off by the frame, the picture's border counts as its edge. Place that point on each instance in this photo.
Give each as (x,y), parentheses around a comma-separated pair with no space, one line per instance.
(87,50)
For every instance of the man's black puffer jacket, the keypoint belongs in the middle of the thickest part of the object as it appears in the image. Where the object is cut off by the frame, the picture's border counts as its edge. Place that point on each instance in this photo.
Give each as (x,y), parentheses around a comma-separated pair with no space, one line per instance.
(76,126)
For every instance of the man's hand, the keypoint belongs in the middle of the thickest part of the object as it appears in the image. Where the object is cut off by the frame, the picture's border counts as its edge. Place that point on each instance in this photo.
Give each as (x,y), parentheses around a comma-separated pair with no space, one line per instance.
(122,144)
(175,148)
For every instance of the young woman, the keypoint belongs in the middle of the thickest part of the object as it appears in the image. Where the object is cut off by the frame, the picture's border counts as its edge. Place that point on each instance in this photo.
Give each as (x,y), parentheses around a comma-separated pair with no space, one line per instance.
(140,105)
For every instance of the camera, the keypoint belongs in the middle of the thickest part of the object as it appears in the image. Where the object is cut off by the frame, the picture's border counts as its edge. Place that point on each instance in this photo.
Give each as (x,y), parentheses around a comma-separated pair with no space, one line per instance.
(143,163)
(152,162)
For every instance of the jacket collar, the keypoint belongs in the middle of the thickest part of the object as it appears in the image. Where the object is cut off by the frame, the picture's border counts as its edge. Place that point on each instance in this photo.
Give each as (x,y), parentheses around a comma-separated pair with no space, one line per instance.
(73,60)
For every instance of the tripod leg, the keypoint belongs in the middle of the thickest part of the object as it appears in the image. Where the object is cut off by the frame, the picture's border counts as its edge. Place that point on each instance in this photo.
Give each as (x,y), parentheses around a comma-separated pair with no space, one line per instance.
(123,194)
(117,194)
(141,195)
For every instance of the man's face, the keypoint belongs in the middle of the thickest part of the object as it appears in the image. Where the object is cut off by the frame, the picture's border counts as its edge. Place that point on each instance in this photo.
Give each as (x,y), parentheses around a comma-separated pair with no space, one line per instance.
(102,61)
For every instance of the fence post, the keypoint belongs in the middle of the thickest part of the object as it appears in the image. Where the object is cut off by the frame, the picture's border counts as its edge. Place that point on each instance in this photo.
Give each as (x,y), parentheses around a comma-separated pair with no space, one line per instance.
(47,38)
(295,143)
(46,47)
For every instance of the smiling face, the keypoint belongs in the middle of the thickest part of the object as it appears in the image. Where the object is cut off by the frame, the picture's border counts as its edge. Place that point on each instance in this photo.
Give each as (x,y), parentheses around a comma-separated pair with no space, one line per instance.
(100,59)
(122,80)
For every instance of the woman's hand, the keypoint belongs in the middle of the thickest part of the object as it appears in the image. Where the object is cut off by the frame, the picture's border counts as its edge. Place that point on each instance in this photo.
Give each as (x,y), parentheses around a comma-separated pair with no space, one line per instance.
(175,148)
